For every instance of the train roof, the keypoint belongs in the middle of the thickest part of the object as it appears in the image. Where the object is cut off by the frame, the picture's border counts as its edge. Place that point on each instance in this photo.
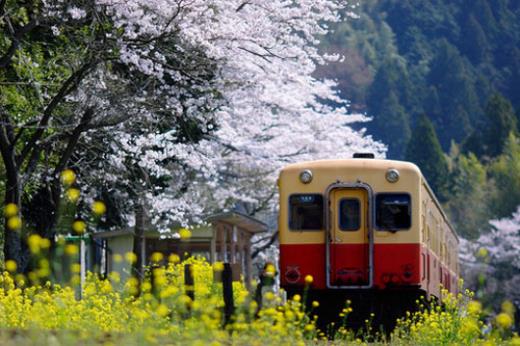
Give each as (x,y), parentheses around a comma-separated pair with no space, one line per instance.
(362,163)
(369,163)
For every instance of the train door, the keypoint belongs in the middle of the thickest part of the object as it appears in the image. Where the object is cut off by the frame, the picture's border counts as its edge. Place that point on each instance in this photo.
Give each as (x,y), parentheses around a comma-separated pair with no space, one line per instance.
(348,241)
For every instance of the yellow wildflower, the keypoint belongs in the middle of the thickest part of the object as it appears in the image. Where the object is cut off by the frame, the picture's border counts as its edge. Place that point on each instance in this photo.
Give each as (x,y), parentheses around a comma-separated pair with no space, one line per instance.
(474,307)
(174,258)
(309,279)
(10,210)
(218,266)
(79,226)
(185,233)
(157,257)
(34,242)
(14,223)
(68,177)
(131,257)
(162,310)
(99,208)
(72,194)
(71,249)
(10,265)
(503,320)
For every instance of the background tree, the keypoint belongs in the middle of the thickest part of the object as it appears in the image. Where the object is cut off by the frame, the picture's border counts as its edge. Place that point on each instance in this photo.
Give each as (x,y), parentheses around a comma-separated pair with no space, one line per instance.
(425,151)
(470,196)
(505,171)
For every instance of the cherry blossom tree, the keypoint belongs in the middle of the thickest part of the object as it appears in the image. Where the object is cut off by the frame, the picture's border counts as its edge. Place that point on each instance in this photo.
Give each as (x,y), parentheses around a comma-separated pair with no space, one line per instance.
(270,111)
(491,264)
(179,106)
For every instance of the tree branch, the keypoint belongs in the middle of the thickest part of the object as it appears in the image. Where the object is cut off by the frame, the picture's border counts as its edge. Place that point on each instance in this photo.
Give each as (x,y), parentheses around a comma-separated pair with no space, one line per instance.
(257,251)
(70,84)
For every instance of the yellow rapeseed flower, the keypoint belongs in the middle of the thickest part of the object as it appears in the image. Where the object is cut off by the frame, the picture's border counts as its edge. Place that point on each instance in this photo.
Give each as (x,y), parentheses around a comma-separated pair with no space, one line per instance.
(482,252)
(45,243)
(117,258)
(315,304)
(68,177)
(185,233)
(218,266)
(72,194)
(10,210)
(157,257)
(131,257)
(503,320)
(99,208)
(474,307)
(270,270)
(174,258)
(34,243)
(297,298)
(309,279)
(162,310)
(79,226)
(14,223)
(75,267)
(71,249)
(11,266)
(508,307)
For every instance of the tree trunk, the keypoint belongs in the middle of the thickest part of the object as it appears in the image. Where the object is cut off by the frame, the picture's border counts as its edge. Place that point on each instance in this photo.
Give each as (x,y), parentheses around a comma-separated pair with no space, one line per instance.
(140,224)
(12,239)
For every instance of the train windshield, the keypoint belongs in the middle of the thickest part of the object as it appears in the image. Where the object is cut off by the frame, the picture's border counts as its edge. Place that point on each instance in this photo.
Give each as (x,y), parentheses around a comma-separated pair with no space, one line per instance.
(393,211)
(306,212)
(349,214)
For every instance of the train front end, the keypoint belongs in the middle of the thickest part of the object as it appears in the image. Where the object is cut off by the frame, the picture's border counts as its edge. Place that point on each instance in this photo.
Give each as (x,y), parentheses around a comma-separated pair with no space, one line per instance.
(352,224)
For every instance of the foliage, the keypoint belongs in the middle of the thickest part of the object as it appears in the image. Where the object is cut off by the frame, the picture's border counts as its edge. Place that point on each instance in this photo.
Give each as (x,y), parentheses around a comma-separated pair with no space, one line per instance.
(463,51)
(505,172)
(460,320)
(491,262)
(471,195)
(109,311)
(180,107)
(425,151)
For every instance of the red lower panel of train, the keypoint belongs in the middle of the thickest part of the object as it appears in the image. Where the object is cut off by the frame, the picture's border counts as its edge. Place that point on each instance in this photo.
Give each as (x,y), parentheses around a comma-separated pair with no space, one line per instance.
(394,264)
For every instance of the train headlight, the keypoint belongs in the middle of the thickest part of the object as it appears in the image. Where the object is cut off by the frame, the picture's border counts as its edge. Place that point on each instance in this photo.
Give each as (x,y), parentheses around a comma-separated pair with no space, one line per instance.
(306,176)
(392,175)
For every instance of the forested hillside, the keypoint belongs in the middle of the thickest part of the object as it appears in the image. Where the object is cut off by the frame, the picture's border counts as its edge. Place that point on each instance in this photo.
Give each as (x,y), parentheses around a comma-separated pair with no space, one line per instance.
(441,79)
(455,62)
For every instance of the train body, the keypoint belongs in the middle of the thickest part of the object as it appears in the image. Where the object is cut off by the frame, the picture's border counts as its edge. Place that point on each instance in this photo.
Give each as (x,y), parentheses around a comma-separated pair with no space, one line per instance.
(363,225)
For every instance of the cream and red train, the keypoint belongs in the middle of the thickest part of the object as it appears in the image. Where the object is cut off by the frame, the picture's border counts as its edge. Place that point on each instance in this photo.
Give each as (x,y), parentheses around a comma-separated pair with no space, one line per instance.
(363,224)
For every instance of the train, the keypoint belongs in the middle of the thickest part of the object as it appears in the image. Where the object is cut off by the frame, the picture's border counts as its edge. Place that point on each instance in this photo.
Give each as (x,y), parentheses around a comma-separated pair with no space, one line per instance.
(367,229)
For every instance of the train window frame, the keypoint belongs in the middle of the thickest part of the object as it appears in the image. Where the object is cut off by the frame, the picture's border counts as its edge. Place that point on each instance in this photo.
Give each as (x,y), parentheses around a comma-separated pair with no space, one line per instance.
(410,209)
(359,219)
(289,214)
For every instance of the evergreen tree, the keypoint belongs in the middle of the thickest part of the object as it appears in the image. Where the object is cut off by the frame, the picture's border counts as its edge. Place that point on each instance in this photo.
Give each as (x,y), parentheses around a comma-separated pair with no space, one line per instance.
(469,199)
(501,121)
(391,101)
(453,81)
(391,126)
(505,171)
(489,139)
(425,151)
(474,43)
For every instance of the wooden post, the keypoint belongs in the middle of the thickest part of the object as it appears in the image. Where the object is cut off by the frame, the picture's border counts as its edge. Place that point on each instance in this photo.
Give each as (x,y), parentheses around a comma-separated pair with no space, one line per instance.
(189,282)
(213,244)
(248,265)
(227,290)
(223,241)
(233,244)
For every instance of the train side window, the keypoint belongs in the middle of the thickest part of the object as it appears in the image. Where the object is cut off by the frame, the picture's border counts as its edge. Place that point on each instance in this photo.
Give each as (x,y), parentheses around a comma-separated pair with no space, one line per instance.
(349,214)
(306,212)
(393,211)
